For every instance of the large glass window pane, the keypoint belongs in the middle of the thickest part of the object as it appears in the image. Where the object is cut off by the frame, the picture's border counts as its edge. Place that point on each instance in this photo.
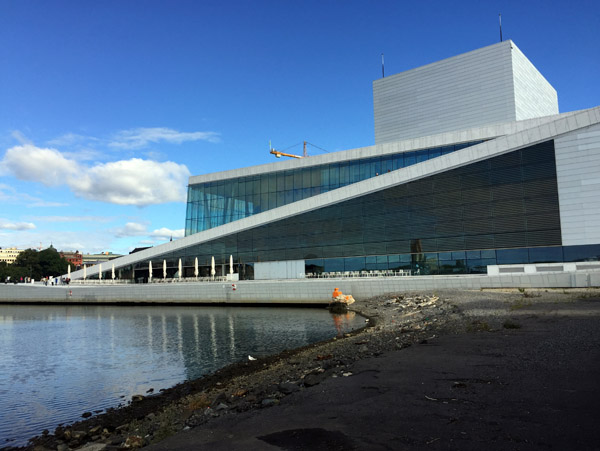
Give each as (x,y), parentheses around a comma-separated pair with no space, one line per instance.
(376,167)
(324,177)
(334,176)
(297,180)
(280,181)
(512,256)
(545,254)
(422,155)
(289,180)
(264,184)
(489,253)
(582,253)
(365,170)
(306,178)
(272,183)
(334,264)
(354,171)
(354,264)
(399,161)
(256,185)
(344,174)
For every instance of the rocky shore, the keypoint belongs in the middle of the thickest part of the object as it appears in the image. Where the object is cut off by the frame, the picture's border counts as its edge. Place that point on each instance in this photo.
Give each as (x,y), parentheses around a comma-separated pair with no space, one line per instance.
(393,322)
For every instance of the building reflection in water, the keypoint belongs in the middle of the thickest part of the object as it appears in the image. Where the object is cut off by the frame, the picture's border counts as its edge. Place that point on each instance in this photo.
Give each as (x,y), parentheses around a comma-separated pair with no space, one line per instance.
(68,360)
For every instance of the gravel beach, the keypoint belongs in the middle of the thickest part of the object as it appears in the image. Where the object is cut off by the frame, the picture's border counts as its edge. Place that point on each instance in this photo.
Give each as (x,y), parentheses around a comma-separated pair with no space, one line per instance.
(512,369)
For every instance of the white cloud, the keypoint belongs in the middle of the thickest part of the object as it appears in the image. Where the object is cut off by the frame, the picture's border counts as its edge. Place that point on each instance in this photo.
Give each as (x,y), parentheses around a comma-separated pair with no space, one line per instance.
(8,225)
(47,166)
(138,138)
(127,182)
(166,234)
(71,139)
(133,182)
(132,229)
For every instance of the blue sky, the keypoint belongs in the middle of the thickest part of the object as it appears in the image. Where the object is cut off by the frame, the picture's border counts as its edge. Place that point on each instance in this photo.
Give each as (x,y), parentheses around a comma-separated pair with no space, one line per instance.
(106,108)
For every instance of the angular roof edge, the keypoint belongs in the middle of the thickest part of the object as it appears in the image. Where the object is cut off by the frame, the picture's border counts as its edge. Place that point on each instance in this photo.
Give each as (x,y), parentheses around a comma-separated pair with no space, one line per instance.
(441,139)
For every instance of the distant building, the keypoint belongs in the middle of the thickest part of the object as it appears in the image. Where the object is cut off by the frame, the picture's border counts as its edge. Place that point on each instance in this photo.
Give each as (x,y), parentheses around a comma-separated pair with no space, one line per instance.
(94,259)
(472,167)
(9,255)
(75,258)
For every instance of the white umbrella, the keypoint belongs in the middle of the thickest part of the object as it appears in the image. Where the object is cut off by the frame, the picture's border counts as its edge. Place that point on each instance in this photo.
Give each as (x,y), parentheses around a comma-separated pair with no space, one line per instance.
(196,267)
(150,270)
(84,271)
(231,264)
(212,267)
(179,269)
(100,271)
(113,271)
(164,269)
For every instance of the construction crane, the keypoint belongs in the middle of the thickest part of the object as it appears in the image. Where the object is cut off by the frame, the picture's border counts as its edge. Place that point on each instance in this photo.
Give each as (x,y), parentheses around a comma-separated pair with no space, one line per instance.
(280,154)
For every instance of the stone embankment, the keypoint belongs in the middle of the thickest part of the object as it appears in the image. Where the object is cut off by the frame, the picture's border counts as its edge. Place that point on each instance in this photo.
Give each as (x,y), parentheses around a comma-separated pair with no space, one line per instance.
(393,322)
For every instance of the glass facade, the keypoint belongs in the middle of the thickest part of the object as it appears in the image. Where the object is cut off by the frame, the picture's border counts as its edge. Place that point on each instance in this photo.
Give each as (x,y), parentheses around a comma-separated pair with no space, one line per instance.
(216,203)
(502,210)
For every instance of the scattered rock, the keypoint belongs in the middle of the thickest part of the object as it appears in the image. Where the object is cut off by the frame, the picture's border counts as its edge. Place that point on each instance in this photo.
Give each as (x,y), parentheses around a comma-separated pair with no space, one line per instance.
(288,387)
(311,380)
(133,442)
(240,393)
(93,447)
(221,398)
(137,398)
(86,414)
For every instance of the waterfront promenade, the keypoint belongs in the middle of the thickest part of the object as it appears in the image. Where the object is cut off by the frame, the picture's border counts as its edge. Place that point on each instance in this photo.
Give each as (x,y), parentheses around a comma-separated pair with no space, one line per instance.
(286,291)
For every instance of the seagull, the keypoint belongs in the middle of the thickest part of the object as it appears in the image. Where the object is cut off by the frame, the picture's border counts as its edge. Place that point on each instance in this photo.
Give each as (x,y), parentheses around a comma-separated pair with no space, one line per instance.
(251,358)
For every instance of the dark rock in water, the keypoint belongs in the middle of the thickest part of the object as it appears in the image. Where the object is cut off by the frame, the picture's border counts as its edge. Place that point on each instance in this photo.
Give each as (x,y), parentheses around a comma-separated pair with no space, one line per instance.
(137,398)
(86,414)
(338,307)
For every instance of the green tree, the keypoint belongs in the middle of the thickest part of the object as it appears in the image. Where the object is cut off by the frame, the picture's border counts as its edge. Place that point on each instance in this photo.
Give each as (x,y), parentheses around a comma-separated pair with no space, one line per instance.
(39,264)
(51,263)
(27,264)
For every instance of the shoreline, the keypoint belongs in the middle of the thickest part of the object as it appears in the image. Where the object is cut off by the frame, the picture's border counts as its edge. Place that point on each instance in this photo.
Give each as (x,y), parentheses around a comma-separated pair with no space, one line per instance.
(393,322)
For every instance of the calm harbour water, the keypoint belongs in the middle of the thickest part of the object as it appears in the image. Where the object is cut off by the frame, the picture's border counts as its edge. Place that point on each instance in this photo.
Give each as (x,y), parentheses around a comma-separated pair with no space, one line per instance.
(57,362)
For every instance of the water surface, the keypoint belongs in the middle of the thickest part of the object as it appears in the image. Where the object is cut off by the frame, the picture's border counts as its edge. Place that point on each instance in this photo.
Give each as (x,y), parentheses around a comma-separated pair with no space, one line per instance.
(57,362)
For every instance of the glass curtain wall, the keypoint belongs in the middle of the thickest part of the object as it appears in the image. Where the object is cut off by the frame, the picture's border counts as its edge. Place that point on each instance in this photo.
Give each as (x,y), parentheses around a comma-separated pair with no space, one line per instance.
(216,203)
(498,211)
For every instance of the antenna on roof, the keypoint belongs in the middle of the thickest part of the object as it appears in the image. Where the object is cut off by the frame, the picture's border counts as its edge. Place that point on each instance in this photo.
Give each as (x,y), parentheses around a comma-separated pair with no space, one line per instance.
(382,67)
(500,21)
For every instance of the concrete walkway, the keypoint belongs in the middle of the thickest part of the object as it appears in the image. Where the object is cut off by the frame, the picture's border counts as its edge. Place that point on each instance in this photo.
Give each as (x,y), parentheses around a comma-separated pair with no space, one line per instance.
(535,387)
